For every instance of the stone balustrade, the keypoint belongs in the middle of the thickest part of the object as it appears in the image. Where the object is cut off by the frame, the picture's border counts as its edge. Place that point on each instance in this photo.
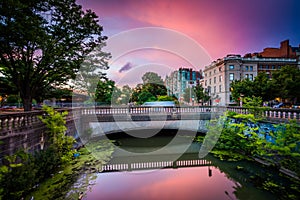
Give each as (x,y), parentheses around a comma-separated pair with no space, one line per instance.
(25,129)
(20,121)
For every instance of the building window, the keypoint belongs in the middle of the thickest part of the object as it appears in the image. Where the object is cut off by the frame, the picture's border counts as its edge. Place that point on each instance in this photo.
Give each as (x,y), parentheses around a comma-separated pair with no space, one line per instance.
(231,76)
(210,81)
(215,88)
(220,88)
(279,67)
(215,79)
(251,68)
(251,77)
(231,66)
(210,73)
(246,75)
(231,98)
(220,69)
(260,66)
(220,78)
(214,71)
(273,67)
(267,66)
(246,68)
(205,74)
(205,82)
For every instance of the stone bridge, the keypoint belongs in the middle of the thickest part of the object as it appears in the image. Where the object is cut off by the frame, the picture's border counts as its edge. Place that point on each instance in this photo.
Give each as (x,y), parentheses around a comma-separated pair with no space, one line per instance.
(24,130)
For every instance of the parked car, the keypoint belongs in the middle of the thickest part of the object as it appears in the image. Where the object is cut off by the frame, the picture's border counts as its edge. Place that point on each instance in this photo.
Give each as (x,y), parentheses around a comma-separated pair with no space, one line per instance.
(278,105)
(296,106)
(283,105)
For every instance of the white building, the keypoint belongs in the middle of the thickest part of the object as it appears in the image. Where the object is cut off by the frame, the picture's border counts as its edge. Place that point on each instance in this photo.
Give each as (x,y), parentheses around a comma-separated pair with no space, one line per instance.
(219,74)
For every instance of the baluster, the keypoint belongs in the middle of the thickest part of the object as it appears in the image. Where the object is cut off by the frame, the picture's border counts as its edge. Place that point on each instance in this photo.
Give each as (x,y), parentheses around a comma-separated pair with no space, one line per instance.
(294,115)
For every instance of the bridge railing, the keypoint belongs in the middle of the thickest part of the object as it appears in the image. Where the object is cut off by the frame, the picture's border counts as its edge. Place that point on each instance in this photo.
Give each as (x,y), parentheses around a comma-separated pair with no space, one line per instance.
(104,110)
(25,120)
(21,121)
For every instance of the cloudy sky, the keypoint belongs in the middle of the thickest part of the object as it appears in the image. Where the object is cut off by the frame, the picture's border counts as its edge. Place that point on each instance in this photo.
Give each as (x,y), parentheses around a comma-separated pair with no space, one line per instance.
(219,27)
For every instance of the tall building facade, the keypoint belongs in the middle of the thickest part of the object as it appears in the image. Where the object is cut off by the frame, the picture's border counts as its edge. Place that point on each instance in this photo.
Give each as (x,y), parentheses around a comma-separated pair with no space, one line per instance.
(179,80)
(221,73)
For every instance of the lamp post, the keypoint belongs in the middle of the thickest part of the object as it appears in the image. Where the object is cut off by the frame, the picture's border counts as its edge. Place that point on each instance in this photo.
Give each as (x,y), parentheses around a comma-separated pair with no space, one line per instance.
(241,100)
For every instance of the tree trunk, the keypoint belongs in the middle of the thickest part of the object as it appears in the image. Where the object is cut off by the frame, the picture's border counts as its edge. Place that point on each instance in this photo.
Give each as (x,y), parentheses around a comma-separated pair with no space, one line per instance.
(27,103)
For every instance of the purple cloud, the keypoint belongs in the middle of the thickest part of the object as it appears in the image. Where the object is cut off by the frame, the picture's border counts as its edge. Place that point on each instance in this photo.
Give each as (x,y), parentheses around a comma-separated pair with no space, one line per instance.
(126,67)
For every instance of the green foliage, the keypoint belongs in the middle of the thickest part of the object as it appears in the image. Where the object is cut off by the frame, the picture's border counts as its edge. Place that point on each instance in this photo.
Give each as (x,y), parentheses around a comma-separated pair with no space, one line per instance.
(17,175)
(145,96)
(241,87)
(200,94)
(55,124)
(12,99)
(104,91)
(263,88)
(150,90)
(252,101)
(155,89)
(125,96)
(21,171)
(153,78)
(254,106)
(286,149)
(286,82)
(165,98)
(240,139)
(43,43)
(89,74)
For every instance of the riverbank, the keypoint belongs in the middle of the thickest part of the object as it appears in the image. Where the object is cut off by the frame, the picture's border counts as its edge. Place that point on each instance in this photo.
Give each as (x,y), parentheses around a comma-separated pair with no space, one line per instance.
(89,160)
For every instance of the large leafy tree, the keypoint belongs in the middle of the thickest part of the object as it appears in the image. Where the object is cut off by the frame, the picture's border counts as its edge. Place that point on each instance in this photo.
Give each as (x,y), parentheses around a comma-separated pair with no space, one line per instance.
(241,88)
(152,87)
(125,95)
(91,72)
(153,78)
(153,84)
(43,43)
(200,94)
(286,83)
(262,87)
(105,91)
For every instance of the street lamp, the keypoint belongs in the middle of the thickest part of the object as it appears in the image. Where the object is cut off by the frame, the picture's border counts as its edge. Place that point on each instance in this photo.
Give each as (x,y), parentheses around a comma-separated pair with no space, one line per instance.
(241,100)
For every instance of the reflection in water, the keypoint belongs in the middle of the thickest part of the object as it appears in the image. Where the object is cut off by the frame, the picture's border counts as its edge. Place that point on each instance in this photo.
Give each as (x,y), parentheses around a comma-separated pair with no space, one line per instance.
(155,165)
(170,175)
(204,182)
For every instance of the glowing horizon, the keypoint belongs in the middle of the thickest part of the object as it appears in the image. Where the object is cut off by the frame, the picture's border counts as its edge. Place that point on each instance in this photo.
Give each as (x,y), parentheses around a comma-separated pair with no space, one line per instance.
(220,27)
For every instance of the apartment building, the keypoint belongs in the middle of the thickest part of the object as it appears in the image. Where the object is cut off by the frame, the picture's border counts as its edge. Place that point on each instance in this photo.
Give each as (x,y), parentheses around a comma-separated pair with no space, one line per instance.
(179,80)
(221,73)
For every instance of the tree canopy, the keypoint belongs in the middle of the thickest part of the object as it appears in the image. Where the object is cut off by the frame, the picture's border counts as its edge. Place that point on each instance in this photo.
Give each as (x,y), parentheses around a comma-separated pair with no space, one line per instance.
(152,78)
(43,43)
(285,84)
(200,94)
(105,91)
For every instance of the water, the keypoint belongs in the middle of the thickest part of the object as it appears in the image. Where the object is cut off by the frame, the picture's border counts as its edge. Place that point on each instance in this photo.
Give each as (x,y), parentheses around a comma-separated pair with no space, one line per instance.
(137,171)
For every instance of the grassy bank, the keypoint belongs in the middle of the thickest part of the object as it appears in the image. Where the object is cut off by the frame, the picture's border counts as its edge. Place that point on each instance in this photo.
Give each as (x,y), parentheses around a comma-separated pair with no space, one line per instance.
(90,160)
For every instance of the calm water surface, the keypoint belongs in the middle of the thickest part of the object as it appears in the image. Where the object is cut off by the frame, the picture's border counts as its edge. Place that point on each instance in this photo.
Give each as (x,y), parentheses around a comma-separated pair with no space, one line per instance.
(207,179)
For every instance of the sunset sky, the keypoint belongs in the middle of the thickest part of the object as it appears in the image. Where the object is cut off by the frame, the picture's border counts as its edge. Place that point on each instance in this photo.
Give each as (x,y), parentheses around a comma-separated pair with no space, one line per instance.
(221,27)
